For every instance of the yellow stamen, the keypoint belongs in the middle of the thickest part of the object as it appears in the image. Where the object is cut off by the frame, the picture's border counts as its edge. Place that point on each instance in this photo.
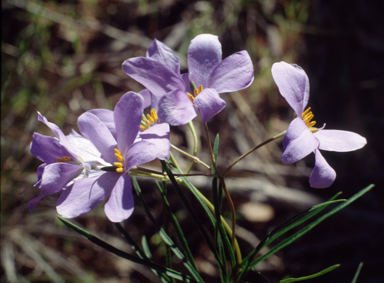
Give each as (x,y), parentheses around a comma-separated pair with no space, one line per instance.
(119,164)
(118,155)
(190,96)
(151,119)
(307,116)
(154,115)
(196,91)
(64,159)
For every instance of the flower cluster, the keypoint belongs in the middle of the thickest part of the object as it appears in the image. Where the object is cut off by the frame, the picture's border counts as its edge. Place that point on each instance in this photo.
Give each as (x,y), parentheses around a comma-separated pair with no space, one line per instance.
(94,165)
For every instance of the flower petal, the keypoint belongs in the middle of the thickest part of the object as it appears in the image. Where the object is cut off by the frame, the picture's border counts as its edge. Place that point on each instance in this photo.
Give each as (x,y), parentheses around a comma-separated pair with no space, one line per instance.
(322,175)
(147,96)
(232,74)
(176,109)
(55,129)
(128,114)
(155,76)
(139,153)
(39,173)
(159,136)
(210,103)
(165,55)
(298,142)
(83,147)
(120,204)
(204,53)
(57,175)
(93,129)
(32,203)
(106,117)
(342,141)
(47,149)
(85,194)
(293,85)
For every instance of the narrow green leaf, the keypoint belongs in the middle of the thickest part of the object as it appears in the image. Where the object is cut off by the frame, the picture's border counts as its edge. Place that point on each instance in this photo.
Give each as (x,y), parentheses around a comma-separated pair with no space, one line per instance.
(310,226)
(194,217)
(113,250)
(354,280)
(164,235)
(144,244)
(140,252)
(175,223)
(215,151)
(289,225)
(324,271)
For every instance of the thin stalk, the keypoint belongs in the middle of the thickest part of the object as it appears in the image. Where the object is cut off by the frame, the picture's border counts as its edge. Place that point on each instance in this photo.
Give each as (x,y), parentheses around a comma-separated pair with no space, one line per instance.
(222,182)
(194,158)
(174,161)
(253,149)
(225,224)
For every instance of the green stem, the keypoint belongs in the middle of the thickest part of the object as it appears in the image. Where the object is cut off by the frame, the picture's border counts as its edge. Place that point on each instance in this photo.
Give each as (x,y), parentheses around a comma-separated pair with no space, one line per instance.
(253,149)
(196,144)
(194,158)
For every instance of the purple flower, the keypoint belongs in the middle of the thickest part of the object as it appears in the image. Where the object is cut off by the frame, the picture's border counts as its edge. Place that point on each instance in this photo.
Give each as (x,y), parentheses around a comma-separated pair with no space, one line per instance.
(302,138)
(159,73)
(117,142)
(64,157)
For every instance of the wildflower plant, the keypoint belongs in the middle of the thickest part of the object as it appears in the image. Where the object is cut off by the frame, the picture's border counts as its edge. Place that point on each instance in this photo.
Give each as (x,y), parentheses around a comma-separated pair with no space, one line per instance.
(100,163)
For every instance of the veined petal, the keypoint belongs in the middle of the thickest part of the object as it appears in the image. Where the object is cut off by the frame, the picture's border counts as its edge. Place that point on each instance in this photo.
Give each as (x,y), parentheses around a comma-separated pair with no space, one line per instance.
(165,55)
(210,103)
(204,53)
(128,114)
(322,175)
(147,96)
(120,204)
(85,194)
(106,117)
(298,142)
(55,129)
(293,85)
(84,148)
(39,174)
(176,109)
(232,74)
(185,78)
(47,149)
(159,136)
(93,129)
(57,175)
(342,141)
(139,153)
(155,76)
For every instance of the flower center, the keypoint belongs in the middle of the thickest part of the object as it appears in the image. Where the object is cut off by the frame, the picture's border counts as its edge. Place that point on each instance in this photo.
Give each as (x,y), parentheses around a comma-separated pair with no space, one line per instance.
(64,159)
(149,120)
(119,164)
(196,91)
(307,116)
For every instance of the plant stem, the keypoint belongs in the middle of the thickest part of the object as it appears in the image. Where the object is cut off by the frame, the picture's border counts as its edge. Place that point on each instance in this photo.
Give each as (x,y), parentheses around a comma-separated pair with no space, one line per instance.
(253,149)
(194,158)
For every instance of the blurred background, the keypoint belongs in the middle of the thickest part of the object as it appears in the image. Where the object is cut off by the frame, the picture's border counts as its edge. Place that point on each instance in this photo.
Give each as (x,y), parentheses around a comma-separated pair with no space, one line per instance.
(62,58)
